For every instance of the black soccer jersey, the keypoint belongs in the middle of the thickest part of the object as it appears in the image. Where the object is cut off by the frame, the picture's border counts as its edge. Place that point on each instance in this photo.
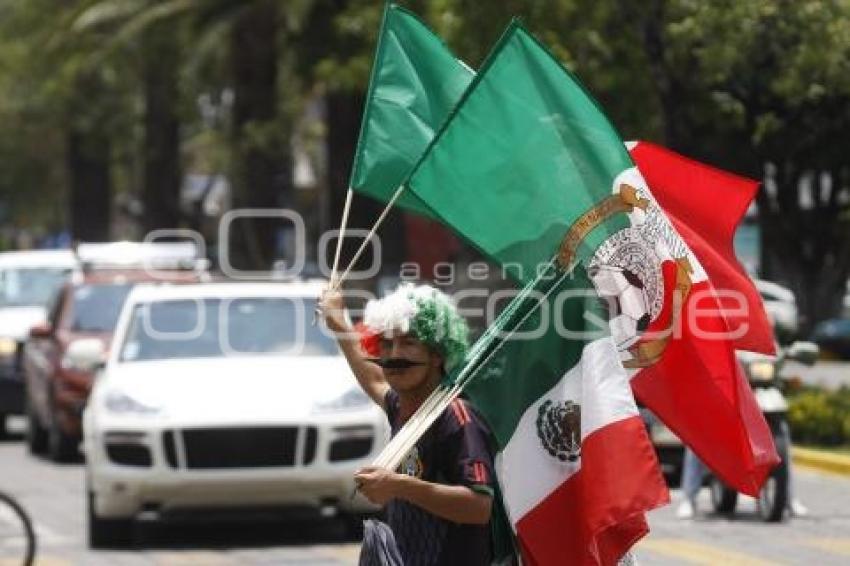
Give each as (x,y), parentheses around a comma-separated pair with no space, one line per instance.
(454,451)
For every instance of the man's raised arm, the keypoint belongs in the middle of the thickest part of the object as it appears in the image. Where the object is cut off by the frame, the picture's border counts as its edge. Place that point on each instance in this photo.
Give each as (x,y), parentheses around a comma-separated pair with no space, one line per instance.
(369,375)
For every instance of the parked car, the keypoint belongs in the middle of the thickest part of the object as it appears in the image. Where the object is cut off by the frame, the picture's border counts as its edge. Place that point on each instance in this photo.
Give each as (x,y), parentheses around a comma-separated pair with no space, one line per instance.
(781,307)
(86,307)
(833,337)
(28,281)
(223,396)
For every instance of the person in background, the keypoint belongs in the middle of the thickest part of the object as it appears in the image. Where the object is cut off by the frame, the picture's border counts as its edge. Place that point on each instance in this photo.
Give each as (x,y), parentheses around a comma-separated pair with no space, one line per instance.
(693,474)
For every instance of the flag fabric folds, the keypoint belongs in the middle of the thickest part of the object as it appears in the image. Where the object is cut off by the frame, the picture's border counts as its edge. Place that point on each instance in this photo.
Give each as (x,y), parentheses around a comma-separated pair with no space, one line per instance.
(415,82)
(706,205)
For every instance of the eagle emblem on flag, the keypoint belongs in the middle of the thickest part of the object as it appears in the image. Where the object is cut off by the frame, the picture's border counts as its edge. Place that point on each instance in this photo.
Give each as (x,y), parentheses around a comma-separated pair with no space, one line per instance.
(559,429)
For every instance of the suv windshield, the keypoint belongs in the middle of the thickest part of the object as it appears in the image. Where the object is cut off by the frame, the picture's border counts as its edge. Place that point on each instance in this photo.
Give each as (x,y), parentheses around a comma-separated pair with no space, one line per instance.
(30,286)
(215,327)
(95,308)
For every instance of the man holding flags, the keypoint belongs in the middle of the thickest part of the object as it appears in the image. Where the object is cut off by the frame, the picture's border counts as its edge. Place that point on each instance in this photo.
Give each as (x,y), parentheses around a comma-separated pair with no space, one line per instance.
(522,163)
(438,505)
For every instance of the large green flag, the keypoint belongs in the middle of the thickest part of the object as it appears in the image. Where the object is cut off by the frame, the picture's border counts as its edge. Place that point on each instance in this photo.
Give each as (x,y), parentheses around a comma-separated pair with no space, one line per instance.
(527,163)
(415,83)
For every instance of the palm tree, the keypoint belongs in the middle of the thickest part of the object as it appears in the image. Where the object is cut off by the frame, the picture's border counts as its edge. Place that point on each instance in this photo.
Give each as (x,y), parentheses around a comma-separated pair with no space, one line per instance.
(260,160)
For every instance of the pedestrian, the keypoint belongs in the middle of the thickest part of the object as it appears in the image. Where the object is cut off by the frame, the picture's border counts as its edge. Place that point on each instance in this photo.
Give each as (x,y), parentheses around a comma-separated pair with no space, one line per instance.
(438,503)
(693,475)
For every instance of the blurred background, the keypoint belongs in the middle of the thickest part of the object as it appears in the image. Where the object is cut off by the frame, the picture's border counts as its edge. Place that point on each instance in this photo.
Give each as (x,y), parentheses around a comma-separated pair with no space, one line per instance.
(120,117)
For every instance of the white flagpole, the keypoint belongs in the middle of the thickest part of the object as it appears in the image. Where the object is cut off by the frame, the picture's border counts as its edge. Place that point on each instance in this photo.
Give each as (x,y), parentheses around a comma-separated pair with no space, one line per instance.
(341,234)
(336,284)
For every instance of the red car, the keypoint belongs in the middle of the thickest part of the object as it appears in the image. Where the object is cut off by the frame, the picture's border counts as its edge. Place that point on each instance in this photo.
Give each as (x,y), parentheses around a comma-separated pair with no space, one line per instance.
(56,390)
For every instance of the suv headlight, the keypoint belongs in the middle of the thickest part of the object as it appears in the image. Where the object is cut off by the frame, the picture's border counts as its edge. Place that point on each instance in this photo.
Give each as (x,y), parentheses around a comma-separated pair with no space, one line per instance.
(123,404)
(8,347)
(762,371)
(350,400)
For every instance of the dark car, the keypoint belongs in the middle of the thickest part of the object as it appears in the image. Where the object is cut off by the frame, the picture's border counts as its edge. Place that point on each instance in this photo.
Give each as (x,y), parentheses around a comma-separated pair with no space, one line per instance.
(28,281)
(57,390)
(833,338)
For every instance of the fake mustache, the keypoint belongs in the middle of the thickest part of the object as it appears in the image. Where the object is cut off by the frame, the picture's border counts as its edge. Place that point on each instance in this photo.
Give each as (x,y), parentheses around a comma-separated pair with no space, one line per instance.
(395,363)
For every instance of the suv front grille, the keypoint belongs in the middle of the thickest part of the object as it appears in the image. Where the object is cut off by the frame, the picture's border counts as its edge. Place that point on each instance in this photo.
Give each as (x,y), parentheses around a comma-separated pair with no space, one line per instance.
(228,448)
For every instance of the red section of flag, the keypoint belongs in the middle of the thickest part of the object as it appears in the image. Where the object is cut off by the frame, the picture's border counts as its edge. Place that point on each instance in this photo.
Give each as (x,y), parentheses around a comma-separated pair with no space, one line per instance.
(705,205)
(597,514)
(698,389)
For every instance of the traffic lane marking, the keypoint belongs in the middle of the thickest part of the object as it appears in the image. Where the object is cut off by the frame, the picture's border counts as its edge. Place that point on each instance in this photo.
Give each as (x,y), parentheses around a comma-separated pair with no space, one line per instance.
(347,553)
(191,558)
(831,545)
(39,561)
(698,553)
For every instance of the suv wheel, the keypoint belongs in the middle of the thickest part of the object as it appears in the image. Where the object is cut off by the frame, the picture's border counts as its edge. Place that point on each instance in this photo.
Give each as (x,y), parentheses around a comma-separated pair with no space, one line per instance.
(107,533)
(3,429)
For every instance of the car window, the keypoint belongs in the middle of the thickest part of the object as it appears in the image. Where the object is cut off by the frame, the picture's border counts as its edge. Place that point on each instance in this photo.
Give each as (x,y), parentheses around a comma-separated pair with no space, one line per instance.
(95,308)
(216,327)
(30,287)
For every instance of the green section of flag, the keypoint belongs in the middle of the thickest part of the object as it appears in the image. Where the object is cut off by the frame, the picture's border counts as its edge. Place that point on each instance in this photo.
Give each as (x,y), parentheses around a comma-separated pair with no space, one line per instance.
(538,338)
(525,153)
(415,83)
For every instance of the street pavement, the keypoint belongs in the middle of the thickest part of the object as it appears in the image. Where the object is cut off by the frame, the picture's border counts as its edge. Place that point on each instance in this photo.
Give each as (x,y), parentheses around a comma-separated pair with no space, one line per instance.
(54,496)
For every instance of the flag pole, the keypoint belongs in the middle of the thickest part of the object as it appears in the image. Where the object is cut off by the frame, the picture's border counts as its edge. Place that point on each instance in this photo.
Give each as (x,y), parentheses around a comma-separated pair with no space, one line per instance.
(341,234)
(336,284)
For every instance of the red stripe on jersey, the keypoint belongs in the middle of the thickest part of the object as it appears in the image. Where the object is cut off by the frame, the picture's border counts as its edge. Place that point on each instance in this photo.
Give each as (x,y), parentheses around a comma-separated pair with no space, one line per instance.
(480,472)
(460,412)
(462,406)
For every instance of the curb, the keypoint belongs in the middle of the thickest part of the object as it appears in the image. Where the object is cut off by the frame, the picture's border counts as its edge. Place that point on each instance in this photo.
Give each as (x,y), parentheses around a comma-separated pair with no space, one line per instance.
(821,460)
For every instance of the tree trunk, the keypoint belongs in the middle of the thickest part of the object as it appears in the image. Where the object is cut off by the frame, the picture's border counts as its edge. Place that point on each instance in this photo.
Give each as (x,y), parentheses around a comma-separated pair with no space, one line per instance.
(263,171)
(806,248)
(671,91)
(90,202)
(161,189)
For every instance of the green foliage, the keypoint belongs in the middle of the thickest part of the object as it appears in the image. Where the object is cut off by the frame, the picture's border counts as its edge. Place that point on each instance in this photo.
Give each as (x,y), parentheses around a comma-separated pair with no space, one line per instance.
(738,83)
(821,417)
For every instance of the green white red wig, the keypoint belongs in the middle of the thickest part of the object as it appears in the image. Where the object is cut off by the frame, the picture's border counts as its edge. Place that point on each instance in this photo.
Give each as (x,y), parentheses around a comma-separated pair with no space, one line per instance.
(425,312)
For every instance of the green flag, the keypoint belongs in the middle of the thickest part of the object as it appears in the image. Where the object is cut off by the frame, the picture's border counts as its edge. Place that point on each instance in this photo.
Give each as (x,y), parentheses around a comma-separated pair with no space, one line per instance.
(415,83)
(526,156)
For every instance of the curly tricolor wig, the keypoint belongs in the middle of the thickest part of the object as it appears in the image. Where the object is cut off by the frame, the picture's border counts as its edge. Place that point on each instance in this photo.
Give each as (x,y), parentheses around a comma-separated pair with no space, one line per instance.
(428,314)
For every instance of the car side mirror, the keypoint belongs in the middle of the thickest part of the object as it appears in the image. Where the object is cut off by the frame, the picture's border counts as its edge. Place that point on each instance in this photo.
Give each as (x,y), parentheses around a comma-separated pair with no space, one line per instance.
(42,330)
(86,354)
(804,352)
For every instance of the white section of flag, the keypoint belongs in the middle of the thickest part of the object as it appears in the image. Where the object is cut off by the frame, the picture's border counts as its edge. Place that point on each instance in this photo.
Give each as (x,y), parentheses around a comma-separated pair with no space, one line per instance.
(527,472)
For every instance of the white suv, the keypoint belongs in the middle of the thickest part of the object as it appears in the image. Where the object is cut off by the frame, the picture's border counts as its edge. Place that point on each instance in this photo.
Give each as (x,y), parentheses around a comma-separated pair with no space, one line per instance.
(222,395)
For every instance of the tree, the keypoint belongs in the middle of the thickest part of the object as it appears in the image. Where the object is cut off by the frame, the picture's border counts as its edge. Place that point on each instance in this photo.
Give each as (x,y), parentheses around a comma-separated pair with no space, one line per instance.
(765,87)
(261,160)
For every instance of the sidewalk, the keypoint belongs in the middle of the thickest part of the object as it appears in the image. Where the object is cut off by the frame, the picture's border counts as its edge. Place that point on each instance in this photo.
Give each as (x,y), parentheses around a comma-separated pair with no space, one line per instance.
(822,460)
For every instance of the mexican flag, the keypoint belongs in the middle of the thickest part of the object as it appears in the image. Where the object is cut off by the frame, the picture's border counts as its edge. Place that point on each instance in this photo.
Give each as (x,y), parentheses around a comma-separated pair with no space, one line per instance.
(575,467)
(689,192)
(523,161)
